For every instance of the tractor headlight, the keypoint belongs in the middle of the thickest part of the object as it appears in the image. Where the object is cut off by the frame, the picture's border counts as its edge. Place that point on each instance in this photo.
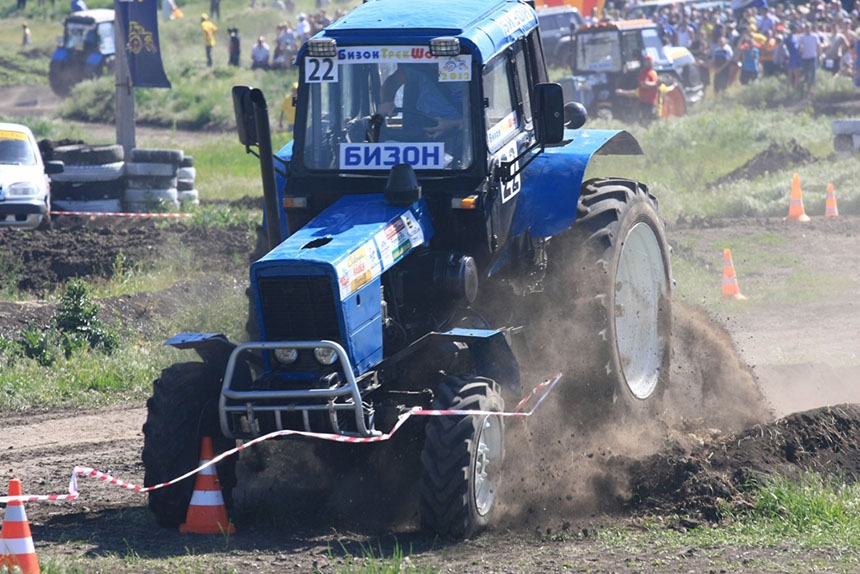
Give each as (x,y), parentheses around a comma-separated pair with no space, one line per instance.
(286,356)
(445,46)
(322,48)
(325,355)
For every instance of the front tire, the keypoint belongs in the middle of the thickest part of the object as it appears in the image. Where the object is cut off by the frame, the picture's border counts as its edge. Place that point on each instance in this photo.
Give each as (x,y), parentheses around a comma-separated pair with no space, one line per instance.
(182,410)
(461,463)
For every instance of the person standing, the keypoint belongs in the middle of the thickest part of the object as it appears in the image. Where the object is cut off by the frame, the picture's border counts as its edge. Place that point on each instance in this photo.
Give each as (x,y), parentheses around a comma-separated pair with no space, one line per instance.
(750,60)
(209,30)
(25,35)
(234,48)
(722,59)
(288,110)
(215,8)
(810,53)
(648,91)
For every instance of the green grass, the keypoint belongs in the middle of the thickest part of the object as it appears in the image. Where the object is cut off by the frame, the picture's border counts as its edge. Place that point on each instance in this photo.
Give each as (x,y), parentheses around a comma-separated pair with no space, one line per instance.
(814,514)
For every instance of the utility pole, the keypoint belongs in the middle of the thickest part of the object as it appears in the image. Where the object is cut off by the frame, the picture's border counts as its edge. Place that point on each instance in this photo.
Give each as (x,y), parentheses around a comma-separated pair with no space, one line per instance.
(124,89)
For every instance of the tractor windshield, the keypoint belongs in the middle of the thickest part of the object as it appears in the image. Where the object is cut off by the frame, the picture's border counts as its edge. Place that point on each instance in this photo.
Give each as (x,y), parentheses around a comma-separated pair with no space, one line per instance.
(90,37)
(373,107)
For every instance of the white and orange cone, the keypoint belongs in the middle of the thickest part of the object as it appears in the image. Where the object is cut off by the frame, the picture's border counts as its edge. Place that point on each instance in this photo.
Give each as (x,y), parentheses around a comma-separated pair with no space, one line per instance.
(16,542)
(206,512)
(830,209)
(796,211)
(730,280)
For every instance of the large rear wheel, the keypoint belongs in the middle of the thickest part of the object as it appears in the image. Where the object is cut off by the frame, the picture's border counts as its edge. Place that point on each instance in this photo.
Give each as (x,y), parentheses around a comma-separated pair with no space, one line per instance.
(182,410)
(618,257)
(461,463)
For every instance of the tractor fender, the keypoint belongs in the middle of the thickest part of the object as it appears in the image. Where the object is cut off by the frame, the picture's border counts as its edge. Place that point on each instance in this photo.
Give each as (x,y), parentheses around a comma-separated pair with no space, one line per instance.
(490,355)
(215,350)
(551,183)
(60,55)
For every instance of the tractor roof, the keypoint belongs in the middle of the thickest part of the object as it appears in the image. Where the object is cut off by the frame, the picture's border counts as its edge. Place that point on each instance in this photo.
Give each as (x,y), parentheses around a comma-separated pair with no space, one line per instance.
(487,26)
(95,16)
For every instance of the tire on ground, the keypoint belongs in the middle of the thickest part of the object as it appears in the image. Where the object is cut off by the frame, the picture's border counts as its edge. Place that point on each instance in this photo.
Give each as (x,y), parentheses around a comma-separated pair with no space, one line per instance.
(93,206)
(182,410)
(89,155)
(88,173)
(461,462)
(186,173)
(133,169)
(190,197)
(152,182)
(171,156)
(87,191)
(613,269)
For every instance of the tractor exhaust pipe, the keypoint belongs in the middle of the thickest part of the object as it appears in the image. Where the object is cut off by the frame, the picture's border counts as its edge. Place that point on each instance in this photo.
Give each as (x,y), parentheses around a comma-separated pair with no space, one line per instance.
(252,123)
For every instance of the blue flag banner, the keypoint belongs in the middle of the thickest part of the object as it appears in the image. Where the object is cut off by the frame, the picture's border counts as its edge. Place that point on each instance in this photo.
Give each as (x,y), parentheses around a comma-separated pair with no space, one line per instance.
(139,21)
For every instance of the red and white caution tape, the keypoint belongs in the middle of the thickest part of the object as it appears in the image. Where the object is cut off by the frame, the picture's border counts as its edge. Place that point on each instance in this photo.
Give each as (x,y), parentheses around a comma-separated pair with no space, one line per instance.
(541,392)
(119,214)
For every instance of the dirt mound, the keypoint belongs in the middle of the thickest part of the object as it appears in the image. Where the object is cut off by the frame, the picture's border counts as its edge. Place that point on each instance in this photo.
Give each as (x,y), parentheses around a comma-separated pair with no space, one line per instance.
(777,157)
(77,246)
(824,440)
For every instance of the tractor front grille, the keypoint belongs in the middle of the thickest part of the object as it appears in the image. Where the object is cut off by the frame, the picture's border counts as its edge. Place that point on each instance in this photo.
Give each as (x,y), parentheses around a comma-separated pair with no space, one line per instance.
(299,309)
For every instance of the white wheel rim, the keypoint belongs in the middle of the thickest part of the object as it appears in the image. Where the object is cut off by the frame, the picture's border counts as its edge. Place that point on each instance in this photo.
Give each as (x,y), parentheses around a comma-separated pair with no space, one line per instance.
(487,463)
(641,286)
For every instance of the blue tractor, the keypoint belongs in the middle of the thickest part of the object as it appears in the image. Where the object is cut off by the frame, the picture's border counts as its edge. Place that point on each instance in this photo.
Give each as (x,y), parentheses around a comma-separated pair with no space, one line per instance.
(86,50)
(428,236)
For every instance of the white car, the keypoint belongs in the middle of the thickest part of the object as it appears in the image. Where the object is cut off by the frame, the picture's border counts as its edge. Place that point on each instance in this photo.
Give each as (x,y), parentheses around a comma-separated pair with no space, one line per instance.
(25,189)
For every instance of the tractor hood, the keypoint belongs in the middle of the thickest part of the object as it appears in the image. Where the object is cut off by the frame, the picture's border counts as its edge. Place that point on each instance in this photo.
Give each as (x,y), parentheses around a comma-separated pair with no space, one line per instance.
(325,281)
(359,236)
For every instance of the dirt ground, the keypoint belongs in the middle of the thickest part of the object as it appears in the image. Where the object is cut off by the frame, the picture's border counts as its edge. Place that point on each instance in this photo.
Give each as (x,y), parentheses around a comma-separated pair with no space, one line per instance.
(752,390)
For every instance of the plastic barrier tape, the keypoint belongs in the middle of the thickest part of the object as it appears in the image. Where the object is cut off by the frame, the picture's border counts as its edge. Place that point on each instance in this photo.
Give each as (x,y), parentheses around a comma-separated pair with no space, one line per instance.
(541,392)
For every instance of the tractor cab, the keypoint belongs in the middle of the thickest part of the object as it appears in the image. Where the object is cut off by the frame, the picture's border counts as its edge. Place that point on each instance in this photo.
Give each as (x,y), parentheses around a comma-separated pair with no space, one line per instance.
(85,50)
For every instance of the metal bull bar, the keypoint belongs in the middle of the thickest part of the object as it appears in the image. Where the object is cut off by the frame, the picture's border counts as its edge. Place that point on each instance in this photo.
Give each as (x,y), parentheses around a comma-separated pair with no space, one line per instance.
(322,399)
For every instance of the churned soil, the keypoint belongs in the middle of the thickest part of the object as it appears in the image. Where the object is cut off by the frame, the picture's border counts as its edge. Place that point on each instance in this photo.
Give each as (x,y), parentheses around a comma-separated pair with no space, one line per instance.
(571,471)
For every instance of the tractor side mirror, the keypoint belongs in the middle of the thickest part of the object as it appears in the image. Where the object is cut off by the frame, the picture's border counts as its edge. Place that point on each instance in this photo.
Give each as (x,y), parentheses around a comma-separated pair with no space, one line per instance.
(243,108)
(549,113)
(575,115)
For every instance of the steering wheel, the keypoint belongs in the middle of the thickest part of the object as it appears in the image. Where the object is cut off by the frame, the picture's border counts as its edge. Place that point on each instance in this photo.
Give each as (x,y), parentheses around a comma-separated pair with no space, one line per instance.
(424,120)
(364,129)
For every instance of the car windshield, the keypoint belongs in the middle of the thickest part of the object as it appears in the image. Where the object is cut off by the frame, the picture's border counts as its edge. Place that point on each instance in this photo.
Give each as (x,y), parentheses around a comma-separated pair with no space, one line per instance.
(15,149)
(373,107)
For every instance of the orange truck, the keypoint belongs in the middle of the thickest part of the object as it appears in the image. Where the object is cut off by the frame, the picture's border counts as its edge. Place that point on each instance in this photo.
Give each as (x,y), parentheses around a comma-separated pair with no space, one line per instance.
(584,6)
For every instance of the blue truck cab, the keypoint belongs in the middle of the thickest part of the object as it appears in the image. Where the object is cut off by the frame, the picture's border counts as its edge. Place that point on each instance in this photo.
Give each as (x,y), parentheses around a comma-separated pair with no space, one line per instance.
(417,228)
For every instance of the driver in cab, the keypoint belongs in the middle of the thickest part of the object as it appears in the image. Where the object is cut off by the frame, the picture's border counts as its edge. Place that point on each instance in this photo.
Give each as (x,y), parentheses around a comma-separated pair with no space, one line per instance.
(429,105)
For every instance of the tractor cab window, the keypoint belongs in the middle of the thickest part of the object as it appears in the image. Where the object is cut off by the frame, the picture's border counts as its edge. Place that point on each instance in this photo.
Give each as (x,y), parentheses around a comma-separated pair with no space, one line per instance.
(500,108)
(105,38)
(80,36)
(598,52)
(374,107)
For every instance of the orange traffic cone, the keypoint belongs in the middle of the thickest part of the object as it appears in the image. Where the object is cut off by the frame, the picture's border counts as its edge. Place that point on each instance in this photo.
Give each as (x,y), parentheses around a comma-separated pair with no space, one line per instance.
(206,512)
(16,542)
(830,209)
(795,208)
(730,280)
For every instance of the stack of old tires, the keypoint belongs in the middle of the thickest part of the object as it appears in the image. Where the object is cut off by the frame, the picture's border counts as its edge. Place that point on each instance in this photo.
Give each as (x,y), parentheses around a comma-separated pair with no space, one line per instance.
(93,179)
(154,178)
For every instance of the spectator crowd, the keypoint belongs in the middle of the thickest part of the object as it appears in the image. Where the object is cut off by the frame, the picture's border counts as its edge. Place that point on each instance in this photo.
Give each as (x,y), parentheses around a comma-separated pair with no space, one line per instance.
(797,41)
